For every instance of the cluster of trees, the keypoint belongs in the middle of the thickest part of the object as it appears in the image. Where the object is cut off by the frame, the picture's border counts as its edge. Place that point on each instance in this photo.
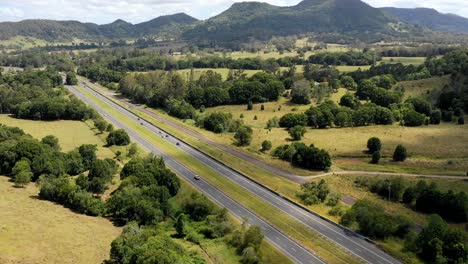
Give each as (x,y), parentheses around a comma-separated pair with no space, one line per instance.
(439,243)
(351,58)
(423,197)
(329,114)
(314,193)
(37,59)
(40,95)
(143,196)
(142,244)
(301,155)
(372,221)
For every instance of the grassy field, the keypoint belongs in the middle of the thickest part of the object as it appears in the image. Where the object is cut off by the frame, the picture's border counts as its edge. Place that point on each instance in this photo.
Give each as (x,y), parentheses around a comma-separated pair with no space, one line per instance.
(327,250)
(426,88)
(35,231)
(71,134)
(404,60)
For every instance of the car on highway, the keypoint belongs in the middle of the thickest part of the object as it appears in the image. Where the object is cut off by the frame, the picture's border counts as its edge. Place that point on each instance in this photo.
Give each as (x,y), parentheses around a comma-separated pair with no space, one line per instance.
(177,143)
(197,177)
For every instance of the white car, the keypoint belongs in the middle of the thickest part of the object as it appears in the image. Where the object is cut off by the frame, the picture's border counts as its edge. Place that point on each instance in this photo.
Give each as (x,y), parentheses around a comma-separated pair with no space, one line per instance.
(197,177)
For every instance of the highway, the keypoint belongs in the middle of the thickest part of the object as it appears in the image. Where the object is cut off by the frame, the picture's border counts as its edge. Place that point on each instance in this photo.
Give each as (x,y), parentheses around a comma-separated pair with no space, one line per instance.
(348,240)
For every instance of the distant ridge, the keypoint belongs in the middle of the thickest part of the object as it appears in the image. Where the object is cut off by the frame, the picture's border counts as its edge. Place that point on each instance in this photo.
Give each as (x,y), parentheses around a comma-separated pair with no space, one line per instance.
(52,30)
(430,18)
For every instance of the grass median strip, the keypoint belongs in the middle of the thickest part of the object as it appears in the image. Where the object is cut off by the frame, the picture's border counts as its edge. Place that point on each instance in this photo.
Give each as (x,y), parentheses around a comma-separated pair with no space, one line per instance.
(321,246)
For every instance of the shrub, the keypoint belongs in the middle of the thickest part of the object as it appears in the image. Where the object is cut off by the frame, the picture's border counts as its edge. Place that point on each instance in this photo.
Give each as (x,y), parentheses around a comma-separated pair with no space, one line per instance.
(250,106)
(436,117)
(274,122)
(262,108)
(447,116)
(291,120)
(412,118)
(400,153)
(118,137)
(375,157)
(374,144)
(313,193)
(266,145)
(461,120)
(297,132)
(333,199)
(217,122)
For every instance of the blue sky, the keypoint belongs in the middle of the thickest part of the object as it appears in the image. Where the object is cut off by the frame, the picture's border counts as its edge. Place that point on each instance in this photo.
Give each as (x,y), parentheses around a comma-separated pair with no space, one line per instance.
(106,11)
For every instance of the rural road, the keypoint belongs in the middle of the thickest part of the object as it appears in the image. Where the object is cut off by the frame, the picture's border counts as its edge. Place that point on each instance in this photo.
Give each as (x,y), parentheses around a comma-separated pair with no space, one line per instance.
(275,170)
(342,237)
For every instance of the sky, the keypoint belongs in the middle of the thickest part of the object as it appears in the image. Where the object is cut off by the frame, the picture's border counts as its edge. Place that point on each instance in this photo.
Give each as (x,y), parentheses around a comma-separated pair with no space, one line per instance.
(135,11)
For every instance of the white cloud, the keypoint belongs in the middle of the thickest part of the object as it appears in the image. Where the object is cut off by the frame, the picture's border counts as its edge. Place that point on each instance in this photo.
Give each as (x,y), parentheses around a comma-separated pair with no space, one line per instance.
(106,11)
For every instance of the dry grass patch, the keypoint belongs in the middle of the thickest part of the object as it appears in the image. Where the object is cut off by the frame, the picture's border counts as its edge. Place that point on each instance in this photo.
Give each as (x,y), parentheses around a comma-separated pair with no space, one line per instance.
(35,231)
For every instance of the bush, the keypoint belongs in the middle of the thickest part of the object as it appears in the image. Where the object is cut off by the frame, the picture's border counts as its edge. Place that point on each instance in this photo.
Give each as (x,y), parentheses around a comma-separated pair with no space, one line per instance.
(313,193)
(374,144)
(217,122)
(447,116)
(333,199)
(250,106)
(337,210)
(266,145)
(436,117)
(297,132)
(461,120)
(375,157)
(274,122)
(118,137)
(400,153)
(262,108)
(412,118)
(291,120)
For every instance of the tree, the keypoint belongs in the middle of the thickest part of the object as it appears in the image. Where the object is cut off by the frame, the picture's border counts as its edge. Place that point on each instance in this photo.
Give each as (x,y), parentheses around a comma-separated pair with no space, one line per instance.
(132,150)
(109,128)
(118,137)
(297,132)
(249,106)
(52,141)
(400,153)
(374,144)
(461,120)
(180,225)
(88,154)
(71,78)
(375,157)
(349,100)
(243,136)
(22,172)
(100,124)
(266,145)
(300,93)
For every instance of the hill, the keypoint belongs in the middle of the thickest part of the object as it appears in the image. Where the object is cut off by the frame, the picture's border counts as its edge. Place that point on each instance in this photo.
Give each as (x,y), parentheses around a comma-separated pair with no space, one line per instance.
(262,21)
(430,18)
(55,31)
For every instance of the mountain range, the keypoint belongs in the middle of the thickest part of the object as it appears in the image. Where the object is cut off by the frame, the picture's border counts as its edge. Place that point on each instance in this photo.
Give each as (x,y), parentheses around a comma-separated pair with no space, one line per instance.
(430,18)
(51,30)
(254,20)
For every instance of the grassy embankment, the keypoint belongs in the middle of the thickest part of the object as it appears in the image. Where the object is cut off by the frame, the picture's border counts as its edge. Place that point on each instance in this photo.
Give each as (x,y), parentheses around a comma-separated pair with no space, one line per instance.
(321,246)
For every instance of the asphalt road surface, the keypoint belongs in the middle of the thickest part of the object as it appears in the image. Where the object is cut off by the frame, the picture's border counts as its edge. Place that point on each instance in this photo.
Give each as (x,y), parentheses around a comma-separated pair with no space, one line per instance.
(342,237)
